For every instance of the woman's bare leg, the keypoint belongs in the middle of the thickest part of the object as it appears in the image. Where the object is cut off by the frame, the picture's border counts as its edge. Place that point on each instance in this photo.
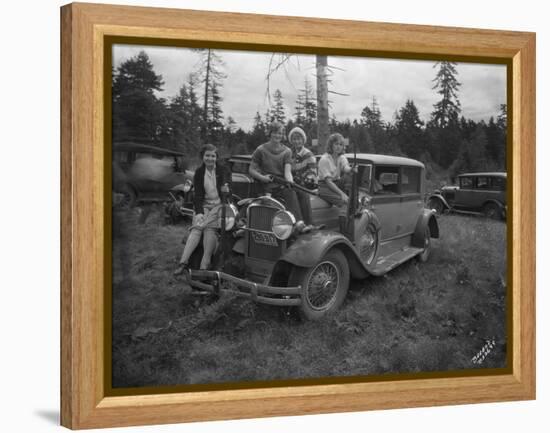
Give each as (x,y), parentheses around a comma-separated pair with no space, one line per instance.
(192,243)
(210,242)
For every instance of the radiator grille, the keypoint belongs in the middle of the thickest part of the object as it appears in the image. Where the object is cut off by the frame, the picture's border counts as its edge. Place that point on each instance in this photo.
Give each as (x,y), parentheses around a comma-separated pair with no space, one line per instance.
(260,218)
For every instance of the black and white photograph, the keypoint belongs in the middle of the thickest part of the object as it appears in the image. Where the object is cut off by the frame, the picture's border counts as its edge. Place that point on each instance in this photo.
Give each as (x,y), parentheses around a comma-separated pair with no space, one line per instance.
(293,217)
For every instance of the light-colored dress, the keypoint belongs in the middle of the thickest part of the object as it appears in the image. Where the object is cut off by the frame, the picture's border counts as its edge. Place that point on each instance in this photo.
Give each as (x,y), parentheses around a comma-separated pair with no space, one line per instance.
(330,169)
(212,204)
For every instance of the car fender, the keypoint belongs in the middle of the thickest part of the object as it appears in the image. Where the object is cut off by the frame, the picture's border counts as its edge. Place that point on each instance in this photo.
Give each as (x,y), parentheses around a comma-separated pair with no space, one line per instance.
(310,248)
(427,219)
(438,196)
(178,188)
(498,203)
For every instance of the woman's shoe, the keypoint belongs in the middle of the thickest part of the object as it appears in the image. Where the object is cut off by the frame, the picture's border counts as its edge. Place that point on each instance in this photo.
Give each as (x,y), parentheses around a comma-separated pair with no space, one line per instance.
(182,268)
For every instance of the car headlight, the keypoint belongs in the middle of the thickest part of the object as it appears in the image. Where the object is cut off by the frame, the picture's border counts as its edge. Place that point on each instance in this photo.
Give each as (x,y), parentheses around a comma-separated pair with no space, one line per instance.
(230,216)
(282,224)
(187,186)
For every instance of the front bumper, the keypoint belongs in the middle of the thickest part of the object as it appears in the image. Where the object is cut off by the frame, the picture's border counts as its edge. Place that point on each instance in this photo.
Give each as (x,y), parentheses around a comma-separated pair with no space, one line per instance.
(217,281)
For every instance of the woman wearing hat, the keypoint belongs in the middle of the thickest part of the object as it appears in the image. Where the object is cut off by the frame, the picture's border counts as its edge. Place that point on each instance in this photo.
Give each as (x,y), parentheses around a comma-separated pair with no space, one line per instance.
(303,163)
(275,159)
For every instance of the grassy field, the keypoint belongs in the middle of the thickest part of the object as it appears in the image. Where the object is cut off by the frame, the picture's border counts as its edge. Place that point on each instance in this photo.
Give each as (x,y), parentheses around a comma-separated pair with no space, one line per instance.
(421,317)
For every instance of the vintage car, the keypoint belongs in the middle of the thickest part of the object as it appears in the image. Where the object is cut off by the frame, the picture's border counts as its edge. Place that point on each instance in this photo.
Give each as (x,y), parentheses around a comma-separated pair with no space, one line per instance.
(144,173)
(264,255)
(480,193)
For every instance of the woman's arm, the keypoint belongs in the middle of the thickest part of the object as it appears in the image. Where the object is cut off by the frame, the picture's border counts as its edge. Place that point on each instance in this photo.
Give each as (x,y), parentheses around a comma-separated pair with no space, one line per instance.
(255,173)
(332,186)
(288,173)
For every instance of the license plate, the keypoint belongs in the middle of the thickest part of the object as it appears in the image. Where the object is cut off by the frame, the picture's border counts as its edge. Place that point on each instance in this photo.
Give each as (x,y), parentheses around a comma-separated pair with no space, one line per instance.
(264,239)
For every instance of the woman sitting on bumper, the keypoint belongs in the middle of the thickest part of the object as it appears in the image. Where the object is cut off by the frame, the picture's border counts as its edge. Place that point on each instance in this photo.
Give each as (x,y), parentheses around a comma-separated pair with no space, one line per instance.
(211,181)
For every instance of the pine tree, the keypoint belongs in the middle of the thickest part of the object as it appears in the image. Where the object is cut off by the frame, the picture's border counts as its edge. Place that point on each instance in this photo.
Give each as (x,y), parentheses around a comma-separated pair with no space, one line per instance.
(502,119)
(185,119)
(473,154)
(299,113)
(408,128)
(258,134)
(371,116)
(448,108)
(278,107)
(444,129)
(310,105)
(138,115)
(371,121)
(215,115)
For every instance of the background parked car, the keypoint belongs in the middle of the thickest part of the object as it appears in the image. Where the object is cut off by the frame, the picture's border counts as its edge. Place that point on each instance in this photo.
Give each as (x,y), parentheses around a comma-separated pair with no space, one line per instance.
(144,173)
(483,193)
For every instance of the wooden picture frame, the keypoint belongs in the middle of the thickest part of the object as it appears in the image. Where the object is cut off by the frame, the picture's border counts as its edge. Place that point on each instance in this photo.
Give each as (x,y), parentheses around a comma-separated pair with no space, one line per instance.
(85,27)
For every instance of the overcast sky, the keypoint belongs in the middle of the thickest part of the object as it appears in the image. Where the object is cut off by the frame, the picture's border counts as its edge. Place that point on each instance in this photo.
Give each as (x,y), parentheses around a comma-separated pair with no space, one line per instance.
(392,82)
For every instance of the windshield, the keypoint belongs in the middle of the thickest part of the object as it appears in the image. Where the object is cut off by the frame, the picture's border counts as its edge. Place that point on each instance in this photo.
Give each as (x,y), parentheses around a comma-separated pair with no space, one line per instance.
(364,177)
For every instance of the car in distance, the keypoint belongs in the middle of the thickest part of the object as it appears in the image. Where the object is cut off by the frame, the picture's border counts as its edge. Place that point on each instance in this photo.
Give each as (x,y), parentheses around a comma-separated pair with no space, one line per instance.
(144,173)
(480,193)
(265,255)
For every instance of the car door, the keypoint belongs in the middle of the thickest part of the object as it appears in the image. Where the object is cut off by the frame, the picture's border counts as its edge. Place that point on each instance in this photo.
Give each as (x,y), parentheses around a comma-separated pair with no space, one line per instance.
(386,201)
(411,198)
(464,197)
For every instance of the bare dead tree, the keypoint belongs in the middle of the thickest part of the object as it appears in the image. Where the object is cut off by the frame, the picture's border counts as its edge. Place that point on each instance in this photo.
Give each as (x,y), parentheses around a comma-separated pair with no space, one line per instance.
(323,71)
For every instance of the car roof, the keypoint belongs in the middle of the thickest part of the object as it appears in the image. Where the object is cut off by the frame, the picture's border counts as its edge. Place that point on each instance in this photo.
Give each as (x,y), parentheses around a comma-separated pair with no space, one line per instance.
(129,146)
(371,157)
(385,159)
(488,173)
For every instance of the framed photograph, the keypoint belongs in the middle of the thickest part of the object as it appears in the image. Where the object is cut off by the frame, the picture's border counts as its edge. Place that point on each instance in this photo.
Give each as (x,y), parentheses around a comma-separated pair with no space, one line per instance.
(266,215)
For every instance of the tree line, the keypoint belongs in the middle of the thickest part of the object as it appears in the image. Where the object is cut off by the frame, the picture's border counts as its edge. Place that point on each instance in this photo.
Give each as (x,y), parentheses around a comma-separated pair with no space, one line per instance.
(447,141)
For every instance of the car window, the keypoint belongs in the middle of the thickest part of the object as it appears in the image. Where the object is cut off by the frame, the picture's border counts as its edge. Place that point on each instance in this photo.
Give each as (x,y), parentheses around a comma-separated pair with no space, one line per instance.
(498,183)
(466,182)
(482,182)
(410,180)
(120,156)
(240,167)
(386,180)
(365,172)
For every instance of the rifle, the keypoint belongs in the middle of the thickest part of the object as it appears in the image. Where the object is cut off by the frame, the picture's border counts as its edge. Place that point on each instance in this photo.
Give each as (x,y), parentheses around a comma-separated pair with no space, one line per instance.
(224,202)
(352,205)
(282,181)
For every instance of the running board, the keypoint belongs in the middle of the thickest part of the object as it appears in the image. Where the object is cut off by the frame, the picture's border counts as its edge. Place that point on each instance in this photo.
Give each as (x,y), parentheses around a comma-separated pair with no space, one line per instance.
(386,264)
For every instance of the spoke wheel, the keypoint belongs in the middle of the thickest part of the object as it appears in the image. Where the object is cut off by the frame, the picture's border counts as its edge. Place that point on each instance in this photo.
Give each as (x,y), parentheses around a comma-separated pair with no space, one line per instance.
(324,286)
(491,210)
(130,198)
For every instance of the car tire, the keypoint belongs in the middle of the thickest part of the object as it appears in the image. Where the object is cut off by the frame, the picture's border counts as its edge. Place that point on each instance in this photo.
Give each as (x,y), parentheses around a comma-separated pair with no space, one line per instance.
(130,198)
(492,211)
(324,286)
(436,205)
(425,254)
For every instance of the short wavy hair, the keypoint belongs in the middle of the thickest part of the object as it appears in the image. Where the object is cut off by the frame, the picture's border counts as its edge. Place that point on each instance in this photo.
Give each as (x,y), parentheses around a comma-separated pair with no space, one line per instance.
(276,126)
(334,139)
(208,148)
